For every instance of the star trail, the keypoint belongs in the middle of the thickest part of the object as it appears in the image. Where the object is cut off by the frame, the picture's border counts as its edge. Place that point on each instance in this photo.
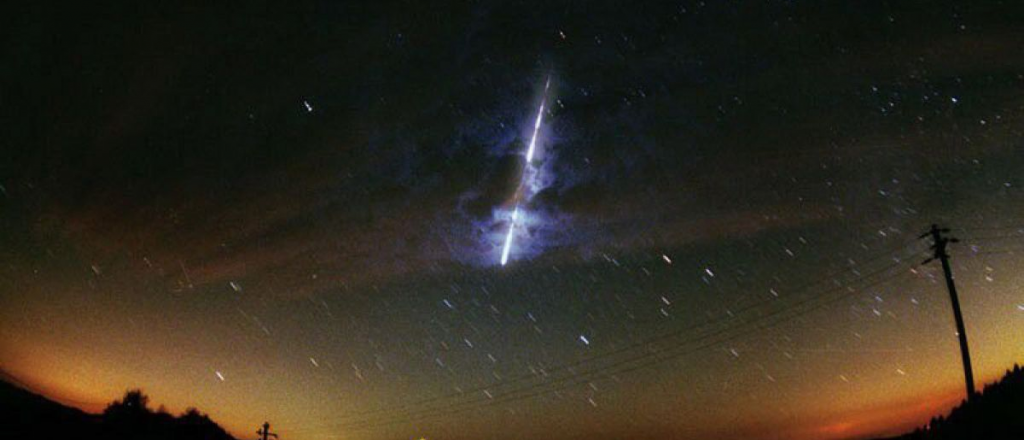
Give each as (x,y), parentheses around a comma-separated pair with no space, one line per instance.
(512,220)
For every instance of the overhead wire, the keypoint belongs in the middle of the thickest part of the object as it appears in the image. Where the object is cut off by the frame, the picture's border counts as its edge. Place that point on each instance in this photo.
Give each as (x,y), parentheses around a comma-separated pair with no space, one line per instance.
(622,365)
(645,343)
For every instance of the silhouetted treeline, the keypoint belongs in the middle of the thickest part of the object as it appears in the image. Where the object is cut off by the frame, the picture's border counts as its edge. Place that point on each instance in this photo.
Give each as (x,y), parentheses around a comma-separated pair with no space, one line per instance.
(130,418)
(996,413)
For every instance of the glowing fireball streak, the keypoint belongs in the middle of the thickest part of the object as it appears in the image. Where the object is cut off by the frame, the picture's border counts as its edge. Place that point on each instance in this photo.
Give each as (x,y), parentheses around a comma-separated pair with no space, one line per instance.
(536,124)
(529,158)
(536,128)
(508,237)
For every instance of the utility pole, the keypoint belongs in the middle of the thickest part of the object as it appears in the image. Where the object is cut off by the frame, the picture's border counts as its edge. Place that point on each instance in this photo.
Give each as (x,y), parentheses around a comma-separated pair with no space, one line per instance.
(939,245)
(265,432)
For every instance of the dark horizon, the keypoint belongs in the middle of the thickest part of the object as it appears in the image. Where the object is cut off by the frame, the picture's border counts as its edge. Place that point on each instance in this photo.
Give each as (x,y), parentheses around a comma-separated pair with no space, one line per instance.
(990,414)
(298,214)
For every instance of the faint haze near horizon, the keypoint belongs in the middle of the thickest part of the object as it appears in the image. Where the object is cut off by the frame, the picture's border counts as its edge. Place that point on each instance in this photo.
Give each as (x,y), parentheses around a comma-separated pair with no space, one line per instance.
(270,214)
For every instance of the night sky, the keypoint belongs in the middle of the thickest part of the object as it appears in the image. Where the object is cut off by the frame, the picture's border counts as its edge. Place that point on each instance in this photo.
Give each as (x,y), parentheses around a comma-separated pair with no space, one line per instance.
(296,214)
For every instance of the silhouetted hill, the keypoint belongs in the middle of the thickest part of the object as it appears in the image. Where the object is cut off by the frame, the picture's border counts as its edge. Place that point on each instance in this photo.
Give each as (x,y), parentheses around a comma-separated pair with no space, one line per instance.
(30,416)
(996,413)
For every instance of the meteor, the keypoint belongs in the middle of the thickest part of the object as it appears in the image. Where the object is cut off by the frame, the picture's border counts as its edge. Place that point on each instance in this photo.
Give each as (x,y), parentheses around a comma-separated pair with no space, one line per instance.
(508,237)
(526,173)
(536,124)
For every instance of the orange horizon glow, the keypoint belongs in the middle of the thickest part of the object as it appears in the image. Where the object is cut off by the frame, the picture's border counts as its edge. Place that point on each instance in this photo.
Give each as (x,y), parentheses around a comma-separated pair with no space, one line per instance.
(887,418)
(822,397)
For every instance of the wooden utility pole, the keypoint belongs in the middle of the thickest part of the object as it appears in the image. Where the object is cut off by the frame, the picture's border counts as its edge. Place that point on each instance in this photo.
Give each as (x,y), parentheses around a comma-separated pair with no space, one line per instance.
(939,245)
(265,432)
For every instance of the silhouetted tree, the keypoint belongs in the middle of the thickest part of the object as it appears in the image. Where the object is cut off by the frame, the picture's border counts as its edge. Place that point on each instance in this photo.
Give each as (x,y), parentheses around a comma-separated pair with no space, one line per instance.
(128,418)
(133,404)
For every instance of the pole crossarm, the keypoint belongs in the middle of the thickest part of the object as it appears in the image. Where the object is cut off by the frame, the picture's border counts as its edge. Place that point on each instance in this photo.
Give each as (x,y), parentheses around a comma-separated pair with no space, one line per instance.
(264,432)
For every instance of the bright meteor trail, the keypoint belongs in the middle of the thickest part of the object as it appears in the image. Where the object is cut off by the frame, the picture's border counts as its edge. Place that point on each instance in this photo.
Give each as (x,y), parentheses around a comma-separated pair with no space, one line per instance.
(526,173)
(536,125)
(508,237)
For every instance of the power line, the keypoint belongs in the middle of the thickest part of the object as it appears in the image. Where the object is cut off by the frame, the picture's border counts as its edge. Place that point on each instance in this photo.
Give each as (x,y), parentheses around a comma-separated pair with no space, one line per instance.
(993,228)
(641,343)
(624,365)
(615,369)
(1001,251)
(417,406)
(994,237)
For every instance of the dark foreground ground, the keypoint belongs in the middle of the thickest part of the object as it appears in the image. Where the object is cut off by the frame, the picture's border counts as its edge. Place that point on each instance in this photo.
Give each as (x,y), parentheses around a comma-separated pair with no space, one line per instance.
(996,413)
(26,416)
